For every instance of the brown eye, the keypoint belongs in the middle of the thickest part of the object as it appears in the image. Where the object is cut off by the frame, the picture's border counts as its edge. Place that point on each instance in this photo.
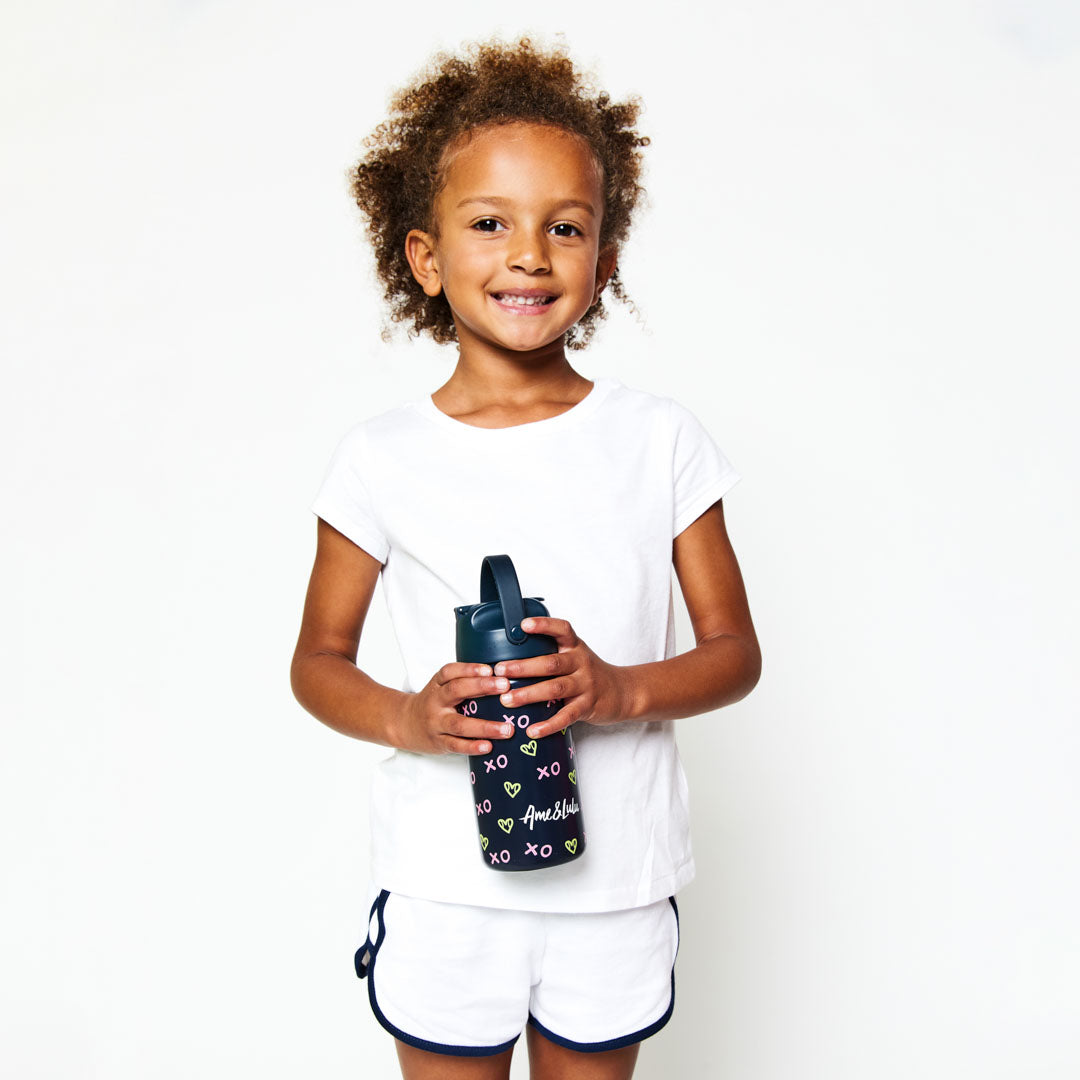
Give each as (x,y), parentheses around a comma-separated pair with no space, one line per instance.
(564,228)
(487,225)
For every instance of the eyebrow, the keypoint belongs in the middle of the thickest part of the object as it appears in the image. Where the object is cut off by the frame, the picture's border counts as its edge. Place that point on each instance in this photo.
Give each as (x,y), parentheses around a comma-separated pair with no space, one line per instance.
(499,200)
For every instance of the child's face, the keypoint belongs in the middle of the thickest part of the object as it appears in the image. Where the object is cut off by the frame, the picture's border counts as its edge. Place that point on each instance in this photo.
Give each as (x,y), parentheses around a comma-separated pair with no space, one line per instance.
(517,242)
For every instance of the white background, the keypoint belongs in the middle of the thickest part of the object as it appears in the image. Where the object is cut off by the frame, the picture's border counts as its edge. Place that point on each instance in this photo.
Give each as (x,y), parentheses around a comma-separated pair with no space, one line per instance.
(858,267)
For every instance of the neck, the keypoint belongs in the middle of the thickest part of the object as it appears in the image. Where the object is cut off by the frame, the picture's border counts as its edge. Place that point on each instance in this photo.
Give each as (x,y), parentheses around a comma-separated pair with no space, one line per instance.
(487,377)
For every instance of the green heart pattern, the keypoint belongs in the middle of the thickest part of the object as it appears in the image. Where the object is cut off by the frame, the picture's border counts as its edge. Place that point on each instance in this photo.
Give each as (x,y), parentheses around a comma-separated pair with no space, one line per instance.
(501,758)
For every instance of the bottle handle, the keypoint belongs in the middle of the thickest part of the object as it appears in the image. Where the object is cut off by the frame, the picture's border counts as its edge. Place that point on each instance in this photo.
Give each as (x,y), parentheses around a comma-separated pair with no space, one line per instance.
(498,581)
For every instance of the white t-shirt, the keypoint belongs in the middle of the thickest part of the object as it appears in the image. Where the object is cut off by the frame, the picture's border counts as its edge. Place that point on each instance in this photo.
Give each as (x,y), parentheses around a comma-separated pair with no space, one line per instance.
(586,504)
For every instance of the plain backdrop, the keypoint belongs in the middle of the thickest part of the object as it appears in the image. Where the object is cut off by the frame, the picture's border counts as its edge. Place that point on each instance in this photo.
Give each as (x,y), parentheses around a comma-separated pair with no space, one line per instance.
(857,266)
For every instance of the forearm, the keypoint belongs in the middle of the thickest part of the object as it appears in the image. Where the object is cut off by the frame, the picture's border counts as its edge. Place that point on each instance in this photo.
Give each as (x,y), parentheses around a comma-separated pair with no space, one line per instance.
(716,672)
(335,691)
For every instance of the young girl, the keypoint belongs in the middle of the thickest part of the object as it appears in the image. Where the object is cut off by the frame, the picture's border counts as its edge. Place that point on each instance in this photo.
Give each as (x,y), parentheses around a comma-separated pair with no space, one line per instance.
(497,196)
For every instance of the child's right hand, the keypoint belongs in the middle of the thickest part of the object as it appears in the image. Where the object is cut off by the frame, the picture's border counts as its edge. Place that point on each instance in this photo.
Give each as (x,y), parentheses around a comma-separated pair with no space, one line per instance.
(431,723)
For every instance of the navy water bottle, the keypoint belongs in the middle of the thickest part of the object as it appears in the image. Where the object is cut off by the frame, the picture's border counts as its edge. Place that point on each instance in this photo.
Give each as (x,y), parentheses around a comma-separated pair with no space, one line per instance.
(525,791)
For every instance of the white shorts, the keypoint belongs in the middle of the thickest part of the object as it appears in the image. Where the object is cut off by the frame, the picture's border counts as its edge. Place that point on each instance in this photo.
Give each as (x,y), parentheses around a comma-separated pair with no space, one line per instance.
(462,980)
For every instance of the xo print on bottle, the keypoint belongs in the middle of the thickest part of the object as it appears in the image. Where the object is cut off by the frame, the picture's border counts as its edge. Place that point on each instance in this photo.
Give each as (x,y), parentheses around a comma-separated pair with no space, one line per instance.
(525,791)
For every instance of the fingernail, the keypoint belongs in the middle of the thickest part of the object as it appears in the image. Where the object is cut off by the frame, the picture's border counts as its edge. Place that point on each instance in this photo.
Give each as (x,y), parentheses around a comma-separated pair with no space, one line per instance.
(485,748)
(527,624)
(502,684)
(500,669)
(506,699)
(508,729)
(531,732)
(485,670)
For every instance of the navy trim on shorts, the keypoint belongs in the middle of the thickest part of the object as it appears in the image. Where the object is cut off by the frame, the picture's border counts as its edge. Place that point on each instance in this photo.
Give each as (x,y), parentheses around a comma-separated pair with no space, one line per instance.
(625,1040)
(367,969)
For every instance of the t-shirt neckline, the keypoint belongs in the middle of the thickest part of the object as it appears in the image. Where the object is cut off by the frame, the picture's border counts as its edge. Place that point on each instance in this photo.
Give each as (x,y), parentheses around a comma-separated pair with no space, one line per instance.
(588,404)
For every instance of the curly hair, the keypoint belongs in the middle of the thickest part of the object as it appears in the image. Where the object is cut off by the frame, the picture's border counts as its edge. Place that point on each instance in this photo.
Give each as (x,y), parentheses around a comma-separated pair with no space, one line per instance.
(397,180)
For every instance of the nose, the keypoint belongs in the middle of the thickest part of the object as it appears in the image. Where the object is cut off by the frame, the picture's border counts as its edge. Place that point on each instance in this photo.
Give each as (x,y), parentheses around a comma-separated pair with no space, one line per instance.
(529,252)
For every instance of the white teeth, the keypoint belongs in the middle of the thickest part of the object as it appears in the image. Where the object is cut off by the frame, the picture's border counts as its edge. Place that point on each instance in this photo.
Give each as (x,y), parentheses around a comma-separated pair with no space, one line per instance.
(521,301)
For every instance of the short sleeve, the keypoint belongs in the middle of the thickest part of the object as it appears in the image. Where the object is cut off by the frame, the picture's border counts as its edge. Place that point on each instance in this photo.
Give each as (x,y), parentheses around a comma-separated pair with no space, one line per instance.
(344,500)
(700,473)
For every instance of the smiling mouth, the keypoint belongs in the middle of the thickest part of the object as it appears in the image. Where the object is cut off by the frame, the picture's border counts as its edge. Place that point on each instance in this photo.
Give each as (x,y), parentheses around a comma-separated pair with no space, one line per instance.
(527,303)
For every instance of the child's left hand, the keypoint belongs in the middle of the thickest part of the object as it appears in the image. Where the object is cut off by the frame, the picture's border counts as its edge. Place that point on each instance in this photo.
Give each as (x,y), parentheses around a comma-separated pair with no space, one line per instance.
(591,690)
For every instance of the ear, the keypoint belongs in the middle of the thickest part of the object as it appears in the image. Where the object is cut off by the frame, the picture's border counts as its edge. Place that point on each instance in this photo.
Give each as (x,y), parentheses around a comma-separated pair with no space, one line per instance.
(420,251)
(605,267)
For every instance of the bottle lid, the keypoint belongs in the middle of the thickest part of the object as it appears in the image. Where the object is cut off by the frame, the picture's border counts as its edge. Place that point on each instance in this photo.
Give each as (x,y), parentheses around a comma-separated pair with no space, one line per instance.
(491,630)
